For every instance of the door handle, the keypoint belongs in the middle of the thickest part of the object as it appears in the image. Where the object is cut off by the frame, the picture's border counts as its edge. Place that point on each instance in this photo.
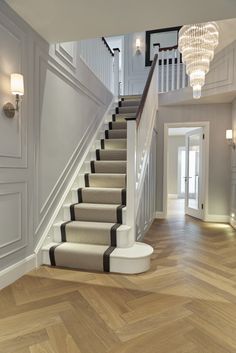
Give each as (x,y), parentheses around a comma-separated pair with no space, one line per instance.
(187,177)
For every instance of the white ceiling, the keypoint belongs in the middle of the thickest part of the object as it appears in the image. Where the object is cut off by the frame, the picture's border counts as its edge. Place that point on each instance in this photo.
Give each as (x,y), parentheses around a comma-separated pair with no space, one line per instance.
(68,20)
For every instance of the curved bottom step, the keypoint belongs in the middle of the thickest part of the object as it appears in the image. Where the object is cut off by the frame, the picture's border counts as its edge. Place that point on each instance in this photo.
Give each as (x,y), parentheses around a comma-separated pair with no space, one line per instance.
(133,260)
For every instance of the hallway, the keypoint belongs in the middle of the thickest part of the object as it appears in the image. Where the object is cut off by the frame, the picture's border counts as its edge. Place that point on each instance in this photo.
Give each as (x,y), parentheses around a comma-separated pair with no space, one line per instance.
(186,303)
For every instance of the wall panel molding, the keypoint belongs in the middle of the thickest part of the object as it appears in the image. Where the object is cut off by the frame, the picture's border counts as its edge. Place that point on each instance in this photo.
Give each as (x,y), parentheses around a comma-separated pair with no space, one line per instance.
(13,217)
(67,53)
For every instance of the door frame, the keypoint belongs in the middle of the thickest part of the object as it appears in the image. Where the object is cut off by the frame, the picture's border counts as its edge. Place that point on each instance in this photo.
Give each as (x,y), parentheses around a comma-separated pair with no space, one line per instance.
(206,126)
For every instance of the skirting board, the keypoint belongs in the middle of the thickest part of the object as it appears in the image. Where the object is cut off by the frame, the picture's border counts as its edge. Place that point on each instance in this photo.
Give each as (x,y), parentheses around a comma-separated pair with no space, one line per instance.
(14,272)
(232,222)
(160,215)
(217,218)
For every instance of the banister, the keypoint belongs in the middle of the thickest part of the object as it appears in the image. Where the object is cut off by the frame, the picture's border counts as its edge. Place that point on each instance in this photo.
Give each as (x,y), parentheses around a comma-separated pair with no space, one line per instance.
(145,92)
(165,48)
(107,45)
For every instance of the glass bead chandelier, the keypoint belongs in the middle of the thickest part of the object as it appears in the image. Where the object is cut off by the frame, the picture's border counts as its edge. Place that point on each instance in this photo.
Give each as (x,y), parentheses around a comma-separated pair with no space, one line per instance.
(197,43)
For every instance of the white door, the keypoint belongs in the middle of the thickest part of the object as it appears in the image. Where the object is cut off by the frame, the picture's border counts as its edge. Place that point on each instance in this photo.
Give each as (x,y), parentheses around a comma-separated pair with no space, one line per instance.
(194,181)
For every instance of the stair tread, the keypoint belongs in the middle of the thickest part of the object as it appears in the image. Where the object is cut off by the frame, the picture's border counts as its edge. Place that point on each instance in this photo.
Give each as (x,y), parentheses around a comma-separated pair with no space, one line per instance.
(84,205)
(91,188)
(92,225)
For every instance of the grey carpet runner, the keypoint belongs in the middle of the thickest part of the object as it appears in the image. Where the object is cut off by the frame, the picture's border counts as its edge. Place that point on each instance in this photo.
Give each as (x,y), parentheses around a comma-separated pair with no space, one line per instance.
(90,235)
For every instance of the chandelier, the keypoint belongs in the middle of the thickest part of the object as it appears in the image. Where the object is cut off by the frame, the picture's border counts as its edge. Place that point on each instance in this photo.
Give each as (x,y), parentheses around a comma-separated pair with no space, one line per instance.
(197,43)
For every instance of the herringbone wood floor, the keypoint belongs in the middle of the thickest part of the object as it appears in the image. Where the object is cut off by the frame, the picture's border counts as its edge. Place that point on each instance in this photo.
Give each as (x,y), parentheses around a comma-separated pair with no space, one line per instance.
(185,304)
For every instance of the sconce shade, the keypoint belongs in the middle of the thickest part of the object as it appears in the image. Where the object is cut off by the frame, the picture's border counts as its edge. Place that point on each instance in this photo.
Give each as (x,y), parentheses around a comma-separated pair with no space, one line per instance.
(229,134)
(138,43)
(17,84)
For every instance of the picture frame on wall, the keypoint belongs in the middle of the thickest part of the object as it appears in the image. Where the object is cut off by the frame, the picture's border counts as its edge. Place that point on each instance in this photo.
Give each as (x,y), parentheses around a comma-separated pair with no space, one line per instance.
(164,38)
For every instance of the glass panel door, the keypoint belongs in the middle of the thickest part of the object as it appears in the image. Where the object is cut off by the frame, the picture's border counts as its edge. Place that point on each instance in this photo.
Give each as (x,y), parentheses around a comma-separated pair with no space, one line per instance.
(193,175)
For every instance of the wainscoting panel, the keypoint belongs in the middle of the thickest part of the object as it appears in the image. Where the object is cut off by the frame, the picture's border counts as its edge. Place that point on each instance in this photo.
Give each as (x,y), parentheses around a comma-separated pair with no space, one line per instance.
(13,146)
(221,72)
(13,217)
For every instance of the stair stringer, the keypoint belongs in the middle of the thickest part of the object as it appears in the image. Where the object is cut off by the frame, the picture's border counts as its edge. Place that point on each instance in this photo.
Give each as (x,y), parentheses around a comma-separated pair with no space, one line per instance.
(57,216)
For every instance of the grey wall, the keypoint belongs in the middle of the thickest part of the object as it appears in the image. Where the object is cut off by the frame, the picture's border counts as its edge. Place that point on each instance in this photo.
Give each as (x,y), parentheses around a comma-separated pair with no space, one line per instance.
(233,169)
(174,142)
(40,148)
(219,116)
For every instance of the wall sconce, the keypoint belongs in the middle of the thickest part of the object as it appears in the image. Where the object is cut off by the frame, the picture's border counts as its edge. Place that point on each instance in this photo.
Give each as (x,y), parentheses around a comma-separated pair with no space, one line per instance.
(17,89)
(138,45)
(229,138)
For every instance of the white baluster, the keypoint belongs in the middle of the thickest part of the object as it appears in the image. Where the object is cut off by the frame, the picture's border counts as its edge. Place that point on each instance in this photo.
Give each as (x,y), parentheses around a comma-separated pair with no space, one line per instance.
(116,73)
(167,70)
(173,70)
(162,70)
(178,70)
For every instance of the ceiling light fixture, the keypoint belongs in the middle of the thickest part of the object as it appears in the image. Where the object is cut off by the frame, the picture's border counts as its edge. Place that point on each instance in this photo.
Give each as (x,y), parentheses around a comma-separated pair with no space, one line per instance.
(197,43)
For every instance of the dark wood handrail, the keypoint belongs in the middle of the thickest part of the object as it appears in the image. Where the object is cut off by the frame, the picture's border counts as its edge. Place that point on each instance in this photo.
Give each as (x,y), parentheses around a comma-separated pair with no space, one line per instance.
(165,48)
(107,45)
(145,92)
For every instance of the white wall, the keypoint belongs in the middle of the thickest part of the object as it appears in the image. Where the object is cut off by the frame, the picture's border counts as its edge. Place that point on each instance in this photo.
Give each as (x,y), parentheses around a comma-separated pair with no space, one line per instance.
(40,148)
(174,142)
(135,72)
(219,116)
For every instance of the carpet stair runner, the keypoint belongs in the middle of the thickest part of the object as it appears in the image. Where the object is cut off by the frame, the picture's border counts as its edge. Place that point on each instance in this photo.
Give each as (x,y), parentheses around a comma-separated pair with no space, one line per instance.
(94,226)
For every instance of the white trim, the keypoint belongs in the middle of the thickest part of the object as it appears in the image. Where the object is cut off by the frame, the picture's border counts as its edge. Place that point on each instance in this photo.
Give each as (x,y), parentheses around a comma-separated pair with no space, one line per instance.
(14,272)
(160,215)
(206,126)
(172,196)
(217,218)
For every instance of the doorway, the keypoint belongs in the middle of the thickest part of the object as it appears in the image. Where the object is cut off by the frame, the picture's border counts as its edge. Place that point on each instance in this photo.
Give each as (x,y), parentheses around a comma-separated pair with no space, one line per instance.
(185,169)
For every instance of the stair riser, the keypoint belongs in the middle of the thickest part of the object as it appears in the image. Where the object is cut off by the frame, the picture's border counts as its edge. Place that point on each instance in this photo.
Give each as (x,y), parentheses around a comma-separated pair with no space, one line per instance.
(99,217)
(108,167)
(116,134)
(122,125)
(125,110)
(129,103)
(117,263)
(122,237)
(93,180)
(106,155)
(116,198)
(114,144)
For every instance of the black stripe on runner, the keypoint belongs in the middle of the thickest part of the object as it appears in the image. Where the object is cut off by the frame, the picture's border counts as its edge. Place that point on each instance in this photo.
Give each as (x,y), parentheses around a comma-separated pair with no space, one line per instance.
(92,166)
(113,234)
(98,155)
(102,144)
(52,254)
(123,197)
(113,117)
(106,259)
(110,125)
(119,213)
(86,179)
(63,231)
(80,195)
(106,134)
(72,211)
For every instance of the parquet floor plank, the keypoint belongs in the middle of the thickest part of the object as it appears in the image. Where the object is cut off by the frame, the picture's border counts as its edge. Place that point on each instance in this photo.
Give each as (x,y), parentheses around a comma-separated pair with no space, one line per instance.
(186,303)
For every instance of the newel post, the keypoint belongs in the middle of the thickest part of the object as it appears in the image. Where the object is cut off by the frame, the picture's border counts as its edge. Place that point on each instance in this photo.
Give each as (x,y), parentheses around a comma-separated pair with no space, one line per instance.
(116,71)
(131,179)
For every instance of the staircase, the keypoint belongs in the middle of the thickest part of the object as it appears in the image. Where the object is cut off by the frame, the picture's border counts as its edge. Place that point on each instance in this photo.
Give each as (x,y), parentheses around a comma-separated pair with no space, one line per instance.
(93,235)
